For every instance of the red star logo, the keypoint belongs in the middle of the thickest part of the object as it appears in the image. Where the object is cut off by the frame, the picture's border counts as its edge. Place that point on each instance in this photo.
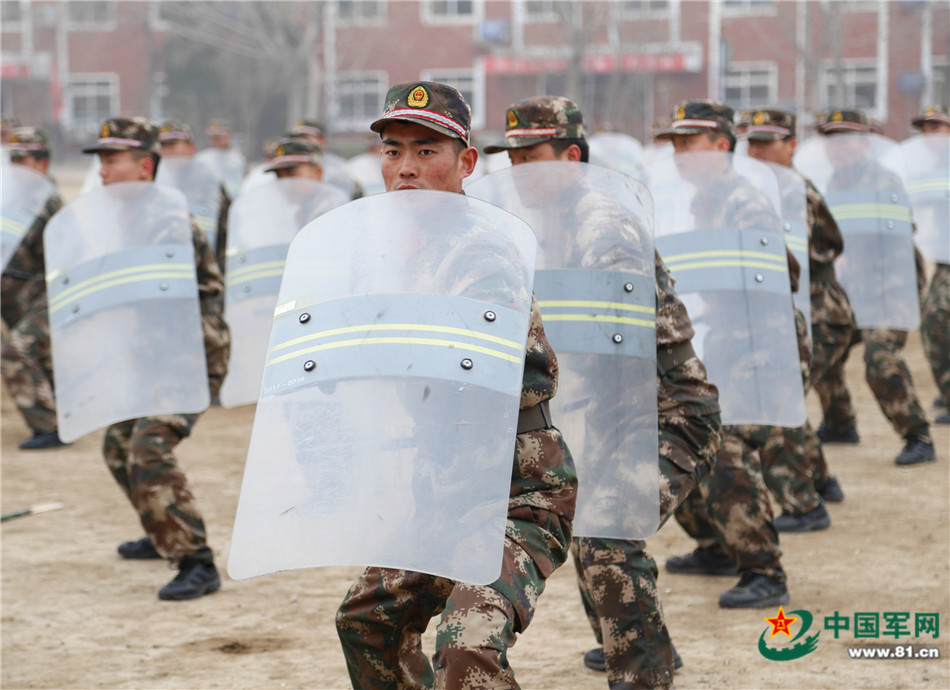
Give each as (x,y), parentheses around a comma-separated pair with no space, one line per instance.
(780,623)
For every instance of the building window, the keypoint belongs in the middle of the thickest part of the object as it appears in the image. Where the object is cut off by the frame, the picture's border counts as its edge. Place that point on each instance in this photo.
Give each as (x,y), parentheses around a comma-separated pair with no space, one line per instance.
(543,10)
(751,84)
(858,5)
(360,11)
(472,90)
(91,15)
(448,11)
(359,99)
(743,7)
(11,14)
(92,99)
(637,8)
(858,88)
(941,83)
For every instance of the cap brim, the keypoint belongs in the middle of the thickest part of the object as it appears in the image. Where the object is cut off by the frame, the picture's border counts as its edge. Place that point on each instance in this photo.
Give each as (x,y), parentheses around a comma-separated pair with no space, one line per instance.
(381,123)
(516,143)
(762,136)
(110,147)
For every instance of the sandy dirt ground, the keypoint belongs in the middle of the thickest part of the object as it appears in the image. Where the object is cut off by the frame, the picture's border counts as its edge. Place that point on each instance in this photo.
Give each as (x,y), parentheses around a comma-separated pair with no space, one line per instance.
(75,615)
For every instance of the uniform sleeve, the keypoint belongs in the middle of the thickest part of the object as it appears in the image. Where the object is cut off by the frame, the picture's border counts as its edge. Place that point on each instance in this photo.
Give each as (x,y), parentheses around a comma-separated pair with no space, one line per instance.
(540,365)
(825,242)
(217,336)
(673,325)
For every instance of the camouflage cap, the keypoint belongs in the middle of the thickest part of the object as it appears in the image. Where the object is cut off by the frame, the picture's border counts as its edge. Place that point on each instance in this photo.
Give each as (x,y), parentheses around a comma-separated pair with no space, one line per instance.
(437,106)
(767,124)
(175,130)
(218,127)
(701,115)
(932,113)
(127,134)
(28,141)
(293,151)
(540,119)
(308,127)
(841,121)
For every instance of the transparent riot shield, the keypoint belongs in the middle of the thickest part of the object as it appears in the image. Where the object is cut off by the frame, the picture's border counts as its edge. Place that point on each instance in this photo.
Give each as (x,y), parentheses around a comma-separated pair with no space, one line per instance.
(125,323)
(201,188)
(256,177)
(23,195)
(719,230)
(228,165)
(92,180)
(261,225)
(595,285)
(861,178)
(617,151)
(336,172)
(927,162)
(366,170)
(385,430)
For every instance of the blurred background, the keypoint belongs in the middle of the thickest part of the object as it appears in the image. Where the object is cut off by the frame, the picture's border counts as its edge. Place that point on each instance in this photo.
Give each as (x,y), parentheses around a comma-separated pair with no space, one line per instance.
(67,66)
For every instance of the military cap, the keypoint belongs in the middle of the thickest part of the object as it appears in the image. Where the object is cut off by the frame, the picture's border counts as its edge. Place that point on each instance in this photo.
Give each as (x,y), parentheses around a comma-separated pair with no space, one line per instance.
(218,126)
(436,106)
(311,127)
(7,123)
(293,151)
(841,121)
(127,134)
(932,113)
(28,141)
(175,130)
(701,115)
(540,119)
(767,124)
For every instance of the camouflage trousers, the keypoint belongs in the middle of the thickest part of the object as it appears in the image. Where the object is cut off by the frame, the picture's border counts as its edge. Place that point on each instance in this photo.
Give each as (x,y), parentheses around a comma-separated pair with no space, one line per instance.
(732,507)
(383,616)
(26,362)
(138,452)
(935,328)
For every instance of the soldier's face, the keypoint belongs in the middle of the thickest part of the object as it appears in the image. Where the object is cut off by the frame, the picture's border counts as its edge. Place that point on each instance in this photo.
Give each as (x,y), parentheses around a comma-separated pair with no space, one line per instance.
(40,165)
(934,127)
(845,149)
(416,157)
(122,166)
(543,152)
(306,172)
(688,143)
(178,147)
(778,151)
(219,141)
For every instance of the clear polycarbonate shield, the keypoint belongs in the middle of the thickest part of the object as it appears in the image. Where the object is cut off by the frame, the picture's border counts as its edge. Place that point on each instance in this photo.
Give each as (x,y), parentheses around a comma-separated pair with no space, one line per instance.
(617,151)
(366,170)
(23,195)
(385,430)
(228,165)
(256,177)
(595,285)
(92,180)
(336,172)
(719,230)
(261,225)
(794,199)
(201,188)
(927,162)
(861,178)
(125,322)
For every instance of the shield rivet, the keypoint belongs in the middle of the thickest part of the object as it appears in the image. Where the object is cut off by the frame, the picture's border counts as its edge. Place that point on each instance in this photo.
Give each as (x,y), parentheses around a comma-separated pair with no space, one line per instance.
(894,198)
(490,316)
(890,225)
(309,365)
(169,253)
(467,364)
(628,287)
(617,338)
(247,287)
(764,241)
(787,226)
(304,318)
(65,280)
(759,278)
(163,286)
(242,259)
(75,308)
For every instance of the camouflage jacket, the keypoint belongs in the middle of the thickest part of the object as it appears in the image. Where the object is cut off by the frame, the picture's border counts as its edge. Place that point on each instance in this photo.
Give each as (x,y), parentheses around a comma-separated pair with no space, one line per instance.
(829,303)
(217,336)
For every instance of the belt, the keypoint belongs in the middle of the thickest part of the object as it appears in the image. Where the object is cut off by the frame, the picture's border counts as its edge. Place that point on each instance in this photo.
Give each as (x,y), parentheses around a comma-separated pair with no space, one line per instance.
(671,357)
(534,418)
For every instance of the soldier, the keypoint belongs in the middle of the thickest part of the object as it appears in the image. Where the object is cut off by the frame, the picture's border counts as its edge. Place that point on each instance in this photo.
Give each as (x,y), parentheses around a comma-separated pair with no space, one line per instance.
(617,577)
(885,370)
(296,157)
(935,325)
(312,131)
(138,452)
(334,169)
(26,358)
(227,162)
(771,136)
(425,130)
(7,126)
(729,515)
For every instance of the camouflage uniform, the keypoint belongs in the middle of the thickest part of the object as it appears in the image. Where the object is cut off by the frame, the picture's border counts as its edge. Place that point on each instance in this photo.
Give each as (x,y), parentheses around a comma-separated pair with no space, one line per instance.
(382,617)
(138,452)
(26,358)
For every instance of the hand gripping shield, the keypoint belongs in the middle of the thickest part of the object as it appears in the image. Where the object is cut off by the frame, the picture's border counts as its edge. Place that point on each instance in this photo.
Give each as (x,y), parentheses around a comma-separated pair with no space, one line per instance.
(386,426)
(24,193)
(228,165)
(201,188)
(595,285)
(861,178)
(719,231)
(927,162)
(125,322)
(261,225)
